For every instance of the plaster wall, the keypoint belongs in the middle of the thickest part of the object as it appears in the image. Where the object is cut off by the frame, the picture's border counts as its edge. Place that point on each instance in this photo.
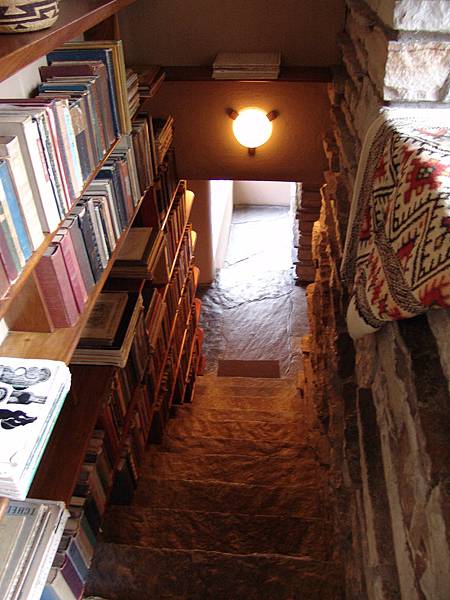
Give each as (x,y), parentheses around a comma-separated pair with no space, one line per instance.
(207,149)
(175,32)
(271,193)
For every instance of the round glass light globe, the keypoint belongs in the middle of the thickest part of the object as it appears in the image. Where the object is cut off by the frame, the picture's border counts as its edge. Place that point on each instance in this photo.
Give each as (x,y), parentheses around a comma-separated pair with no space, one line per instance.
(252,128)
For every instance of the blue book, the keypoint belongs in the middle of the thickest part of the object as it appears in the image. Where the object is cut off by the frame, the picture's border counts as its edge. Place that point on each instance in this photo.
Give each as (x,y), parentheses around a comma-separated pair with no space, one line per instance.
(105,56)
(13,208)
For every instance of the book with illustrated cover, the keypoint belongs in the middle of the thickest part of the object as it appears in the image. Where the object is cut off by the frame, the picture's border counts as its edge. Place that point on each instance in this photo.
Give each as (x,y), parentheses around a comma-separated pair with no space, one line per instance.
(32,392)
(105,318)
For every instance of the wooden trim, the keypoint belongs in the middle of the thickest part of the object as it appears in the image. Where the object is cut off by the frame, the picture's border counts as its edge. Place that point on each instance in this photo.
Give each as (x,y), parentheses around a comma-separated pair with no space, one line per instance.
(75,17)
(295,74)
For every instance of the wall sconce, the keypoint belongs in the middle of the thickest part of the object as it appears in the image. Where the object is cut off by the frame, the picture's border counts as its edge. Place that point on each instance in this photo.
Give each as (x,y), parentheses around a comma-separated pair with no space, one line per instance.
(252,127)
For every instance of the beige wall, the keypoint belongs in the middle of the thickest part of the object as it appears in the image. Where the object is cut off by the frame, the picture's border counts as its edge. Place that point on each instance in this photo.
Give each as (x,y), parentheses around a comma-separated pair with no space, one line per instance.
(201,223)
(177,32)
(206,148)
(274,193)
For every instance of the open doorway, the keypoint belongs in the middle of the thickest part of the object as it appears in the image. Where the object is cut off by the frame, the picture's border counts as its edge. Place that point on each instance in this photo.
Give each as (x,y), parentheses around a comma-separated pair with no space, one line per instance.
(252,310)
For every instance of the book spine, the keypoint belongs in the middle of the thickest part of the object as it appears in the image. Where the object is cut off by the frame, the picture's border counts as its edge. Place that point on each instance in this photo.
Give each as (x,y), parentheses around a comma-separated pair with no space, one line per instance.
(71,224)
(73,270)
(13,215)
(11,152)
(54,283)
(98,232)
(73,157)
(8,251)
(90,241)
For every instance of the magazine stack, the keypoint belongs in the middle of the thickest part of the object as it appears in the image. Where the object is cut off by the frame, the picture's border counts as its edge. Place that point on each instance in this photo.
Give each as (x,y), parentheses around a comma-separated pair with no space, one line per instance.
(32,392)
(30,533)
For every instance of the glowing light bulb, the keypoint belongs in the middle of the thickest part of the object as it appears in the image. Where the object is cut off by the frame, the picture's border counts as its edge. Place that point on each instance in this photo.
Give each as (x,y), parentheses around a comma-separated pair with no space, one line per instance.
(252,128)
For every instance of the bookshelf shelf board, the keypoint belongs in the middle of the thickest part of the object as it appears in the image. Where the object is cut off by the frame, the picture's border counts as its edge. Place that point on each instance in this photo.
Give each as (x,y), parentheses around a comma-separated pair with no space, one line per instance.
(287,73)
(60,344)
(58,471)
(30,265)
(19,50)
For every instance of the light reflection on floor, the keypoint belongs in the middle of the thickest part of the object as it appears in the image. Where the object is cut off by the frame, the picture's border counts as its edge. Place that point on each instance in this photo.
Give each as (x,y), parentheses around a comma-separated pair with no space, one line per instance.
(254,310)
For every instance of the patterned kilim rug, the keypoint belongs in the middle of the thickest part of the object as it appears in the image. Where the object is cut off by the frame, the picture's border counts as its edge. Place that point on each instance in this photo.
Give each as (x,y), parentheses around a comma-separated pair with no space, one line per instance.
(397,250)
(249,368)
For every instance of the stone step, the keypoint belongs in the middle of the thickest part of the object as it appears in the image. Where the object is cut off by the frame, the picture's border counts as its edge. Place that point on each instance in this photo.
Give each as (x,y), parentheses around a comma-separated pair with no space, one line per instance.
(236,414)
(163,574)
(191,426)
(224,400)
(255,385)
(308,499)
(219,532)
(260,470)
(222,445)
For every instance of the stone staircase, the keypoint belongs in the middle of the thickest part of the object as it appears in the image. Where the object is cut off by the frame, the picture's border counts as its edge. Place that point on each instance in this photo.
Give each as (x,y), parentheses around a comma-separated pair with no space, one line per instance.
(232,506)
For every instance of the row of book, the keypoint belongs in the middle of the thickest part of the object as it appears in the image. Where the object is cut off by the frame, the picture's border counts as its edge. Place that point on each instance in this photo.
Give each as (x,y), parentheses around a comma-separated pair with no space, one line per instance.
(152,138)
(150,78)
(30,533)
(188,356)
(77,256)
(143,256)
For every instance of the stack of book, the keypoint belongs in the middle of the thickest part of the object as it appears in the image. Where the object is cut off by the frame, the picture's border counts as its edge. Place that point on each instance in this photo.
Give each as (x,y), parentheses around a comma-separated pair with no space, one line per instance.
(134,99)
(254,65)
(32,392)
(150,79)
(142,256)
(110,53)
(30,532)
(108,335)
(73,558)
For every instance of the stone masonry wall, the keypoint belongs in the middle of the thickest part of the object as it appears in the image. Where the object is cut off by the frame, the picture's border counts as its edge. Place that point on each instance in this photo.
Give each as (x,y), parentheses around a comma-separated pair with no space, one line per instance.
(384,401)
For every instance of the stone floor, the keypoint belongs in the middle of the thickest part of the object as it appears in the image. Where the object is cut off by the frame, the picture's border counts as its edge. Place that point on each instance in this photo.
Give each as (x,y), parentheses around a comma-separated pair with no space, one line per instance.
(253,310)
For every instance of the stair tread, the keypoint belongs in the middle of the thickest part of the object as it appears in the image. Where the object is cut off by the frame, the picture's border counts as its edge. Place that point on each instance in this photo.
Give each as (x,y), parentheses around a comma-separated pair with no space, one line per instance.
(270,470)
(218,531)
(228,496)
(237,414)
(211,445)
(251,430)
(148,573)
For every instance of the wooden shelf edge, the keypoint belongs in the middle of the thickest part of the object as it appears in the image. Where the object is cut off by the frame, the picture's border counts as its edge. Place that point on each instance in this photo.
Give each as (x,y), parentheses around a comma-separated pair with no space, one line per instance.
(299,74)
(21,49)
(61,343)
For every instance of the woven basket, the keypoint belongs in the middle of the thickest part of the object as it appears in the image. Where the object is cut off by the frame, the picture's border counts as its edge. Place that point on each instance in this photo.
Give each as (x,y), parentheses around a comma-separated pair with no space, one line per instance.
(23,16)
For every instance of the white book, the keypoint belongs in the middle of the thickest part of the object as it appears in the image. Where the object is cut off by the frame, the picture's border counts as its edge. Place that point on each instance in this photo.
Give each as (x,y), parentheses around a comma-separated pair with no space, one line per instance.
(32,392)
(26,130)
(10,150)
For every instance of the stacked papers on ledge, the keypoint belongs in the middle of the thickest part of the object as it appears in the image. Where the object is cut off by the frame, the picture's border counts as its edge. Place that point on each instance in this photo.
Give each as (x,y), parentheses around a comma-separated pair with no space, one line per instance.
(253,65)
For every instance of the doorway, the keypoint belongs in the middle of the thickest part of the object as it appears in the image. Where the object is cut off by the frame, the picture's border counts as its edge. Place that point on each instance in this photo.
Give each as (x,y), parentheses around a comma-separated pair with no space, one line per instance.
(253,310)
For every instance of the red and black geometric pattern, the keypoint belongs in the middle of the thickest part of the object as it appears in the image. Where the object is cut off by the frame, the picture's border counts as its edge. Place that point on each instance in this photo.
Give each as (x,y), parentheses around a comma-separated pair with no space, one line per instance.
(398,248)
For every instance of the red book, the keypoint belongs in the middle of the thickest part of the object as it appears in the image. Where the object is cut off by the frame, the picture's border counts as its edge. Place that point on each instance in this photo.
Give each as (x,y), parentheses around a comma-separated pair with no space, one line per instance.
(4,281)
(73,268)
(56,290)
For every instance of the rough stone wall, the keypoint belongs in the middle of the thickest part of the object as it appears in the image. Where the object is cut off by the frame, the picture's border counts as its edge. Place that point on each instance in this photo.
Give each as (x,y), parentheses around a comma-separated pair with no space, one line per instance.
(384,401)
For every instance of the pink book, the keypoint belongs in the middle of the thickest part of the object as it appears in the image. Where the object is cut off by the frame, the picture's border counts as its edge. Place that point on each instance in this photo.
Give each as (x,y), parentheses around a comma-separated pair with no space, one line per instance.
(55,286)
(73,268)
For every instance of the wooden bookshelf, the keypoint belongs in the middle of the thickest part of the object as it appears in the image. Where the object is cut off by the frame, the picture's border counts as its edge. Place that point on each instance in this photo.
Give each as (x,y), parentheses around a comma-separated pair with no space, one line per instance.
(16,288)
(58,470)
(60,343)
(287,73)
(75,17)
